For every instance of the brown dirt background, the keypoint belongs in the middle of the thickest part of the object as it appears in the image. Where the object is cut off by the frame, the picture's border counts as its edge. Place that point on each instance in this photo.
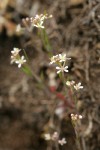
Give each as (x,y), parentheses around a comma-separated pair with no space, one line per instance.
(24,107)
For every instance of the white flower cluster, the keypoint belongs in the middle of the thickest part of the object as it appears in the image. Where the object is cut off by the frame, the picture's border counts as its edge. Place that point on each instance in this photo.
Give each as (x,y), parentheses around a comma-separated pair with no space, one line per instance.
(75,86)
(62,141)
(62,69)
(55,137)
(38,20)
(75,117)
(70,83)
(31,22)
(15,57)
(60,60)
(78,86)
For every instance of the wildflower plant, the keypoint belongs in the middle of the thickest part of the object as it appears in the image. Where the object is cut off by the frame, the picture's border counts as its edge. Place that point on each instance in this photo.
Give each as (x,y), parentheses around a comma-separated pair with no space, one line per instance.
(38,20)
(20,61)
(55,137)
(15,55)
(59,62)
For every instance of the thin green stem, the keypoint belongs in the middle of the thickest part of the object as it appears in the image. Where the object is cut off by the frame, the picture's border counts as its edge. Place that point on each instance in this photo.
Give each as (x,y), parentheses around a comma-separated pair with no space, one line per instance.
(77,136)
(25,54)
(45,40)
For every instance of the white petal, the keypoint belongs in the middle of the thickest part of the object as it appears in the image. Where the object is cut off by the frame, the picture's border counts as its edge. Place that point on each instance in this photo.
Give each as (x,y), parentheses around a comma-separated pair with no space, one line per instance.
(24,60)
(22,57)
(51,63)
(17,62)
(12,52)
(19,65)
(58,68)
(58,71)
(81,87)
(66,70)
(42,26)
(66,67)
(79,83)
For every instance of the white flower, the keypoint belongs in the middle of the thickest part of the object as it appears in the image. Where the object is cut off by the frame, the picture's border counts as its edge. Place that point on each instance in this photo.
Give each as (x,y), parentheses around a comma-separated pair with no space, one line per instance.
(78,86)
(13,59)
(54,59)
(39,24)
(59,58)
(70,83)
(47,136)
(63,57)
(80,117)
(62,141)
(15,51)
(75,117)
(62,69)
(21,61)
(38,20)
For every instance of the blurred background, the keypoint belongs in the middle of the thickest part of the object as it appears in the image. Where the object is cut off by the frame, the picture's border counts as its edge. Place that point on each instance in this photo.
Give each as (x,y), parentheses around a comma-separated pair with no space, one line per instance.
(24,108)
